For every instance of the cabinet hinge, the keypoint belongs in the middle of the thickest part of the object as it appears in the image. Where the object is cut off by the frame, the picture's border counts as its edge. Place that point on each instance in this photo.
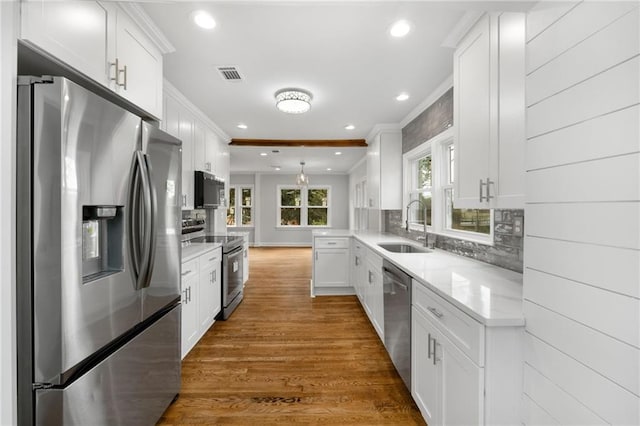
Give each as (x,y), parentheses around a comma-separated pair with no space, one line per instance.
(40,386)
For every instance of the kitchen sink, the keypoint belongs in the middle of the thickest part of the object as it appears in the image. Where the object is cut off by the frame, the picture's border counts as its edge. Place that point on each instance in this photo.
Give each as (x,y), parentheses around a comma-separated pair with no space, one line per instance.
(404,248)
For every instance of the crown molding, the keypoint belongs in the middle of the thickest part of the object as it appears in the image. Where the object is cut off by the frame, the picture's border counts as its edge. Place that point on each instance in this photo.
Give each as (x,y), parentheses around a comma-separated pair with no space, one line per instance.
(357,164)
(170,90)
(384,127)
(434,96)
(461,29)
(140,17)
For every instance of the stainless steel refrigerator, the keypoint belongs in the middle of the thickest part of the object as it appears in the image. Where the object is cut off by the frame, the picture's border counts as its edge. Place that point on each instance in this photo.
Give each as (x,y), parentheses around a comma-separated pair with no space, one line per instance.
(98,273)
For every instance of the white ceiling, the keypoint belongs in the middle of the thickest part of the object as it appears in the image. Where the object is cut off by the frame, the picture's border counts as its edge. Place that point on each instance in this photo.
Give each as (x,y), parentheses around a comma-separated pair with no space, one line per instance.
(340,51)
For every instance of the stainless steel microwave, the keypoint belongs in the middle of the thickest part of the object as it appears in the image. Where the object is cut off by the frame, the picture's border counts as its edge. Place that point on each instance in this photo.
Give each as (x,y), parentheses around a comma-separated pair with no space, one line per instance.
(208,191)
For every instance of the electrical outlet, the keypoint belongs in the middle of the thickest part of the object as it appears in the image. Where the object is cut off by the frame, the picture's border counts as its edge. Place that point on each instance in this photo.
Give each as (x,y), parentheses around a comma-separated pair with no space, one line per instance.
(517,226)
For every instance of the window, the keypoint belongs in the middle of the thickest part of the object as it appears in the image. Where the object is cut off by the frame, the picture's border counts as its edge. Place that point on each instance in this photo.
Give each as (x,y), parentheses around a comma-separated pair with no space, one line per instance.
(420,193)
(429,186)
(303,206)
(240,210)
(470,220)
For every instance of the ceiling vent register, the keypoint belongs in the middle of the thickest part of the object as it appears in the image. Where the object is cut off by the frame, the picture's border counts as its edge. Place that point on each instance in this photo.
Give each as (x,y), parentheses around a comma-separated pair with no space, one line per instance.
(230,74)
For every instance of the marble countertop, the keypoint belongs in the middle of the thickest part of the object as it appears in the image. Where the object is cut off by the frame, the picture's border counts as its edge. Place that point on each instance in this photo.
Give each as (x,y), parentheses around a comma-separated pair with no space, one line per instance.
(197,249)
(489,294)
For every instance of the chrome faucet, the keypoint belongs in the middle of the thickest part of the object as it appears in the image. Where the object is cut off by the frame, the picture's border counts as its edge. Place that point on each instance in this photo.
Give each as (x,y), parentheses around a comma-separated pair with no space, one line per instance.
(424,206)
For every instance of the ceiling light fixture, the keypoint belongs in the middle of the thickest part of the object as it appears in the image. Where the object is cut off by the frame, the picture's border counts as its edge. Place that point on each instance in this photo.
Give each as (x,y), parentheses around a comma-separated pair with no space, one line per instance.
(203,19)
(349,127)
(338,153)
(293,101)
(242,126)
(402,97)
(400,28)
(328,169)
(301,178)
(263,154)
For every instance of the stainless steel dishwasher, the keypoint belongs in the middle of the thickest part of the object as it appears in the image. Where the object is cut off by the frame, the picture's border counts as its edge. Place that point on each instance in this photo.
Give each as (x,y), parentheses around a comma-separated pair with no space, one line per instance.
(397,318)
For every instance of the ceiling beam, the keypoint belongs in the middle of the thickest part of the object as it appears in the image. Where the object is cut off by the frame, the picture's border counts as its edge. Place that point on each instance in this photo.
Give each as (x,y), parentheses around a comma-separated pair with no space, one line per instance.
(307,143)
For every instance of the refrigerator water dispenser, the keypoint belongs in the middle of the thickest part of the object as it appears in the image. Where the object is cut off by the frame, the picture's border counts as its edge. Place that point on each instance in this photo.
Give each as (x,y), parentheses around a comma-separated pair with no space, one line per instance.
(102,233)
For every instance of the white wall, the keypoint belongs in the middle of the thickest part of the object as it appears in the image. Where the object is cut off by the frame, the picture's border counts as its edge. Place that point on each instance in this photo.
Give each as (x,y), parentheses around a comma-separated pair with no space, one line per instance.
(268,234)
(582,262)
(8,53)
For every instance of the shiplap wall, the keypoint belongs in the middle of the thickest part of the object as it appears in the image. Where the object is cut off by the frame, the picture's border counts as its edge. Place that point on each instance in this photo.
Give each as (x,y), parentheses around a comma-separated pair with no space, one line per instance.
(582,246)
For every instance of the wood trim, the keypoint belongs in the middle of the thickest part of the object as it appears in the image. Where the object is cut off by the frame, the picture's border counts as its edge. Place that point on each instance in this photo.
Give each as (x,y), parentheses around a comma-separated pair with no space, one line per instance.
(309,143)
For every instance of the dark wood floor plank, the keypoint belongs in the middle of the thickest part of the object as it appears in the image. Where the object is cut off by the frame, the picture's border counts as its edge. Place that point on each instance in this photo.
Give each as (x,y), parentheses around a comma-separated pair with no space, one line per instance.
(285,358)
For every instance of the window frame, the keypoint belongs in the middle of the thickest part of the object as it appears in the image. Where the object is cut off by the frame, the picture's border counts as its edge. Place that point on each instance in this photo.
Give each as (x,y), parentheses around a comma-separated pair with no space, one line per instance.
(304,206)
(437,148)
(238,205)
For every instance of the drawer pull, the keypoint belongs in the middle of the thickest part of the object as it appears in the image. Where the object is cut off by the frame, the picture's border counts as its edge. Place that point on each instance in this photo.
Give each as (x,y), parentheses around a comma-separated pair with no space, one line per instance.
(435,312)
(212,259)
(186,273)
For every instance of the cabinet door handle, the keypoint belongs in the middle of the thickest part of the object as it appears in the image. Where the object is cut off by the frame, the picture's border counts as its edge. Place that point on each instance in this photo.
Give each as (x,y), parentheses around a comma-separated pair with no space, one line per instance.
(429,346)
(116,74)
(184,299)
(186,272)
(434,351)
(357,260)
(212,259)
(370,277)
(124,83)
(316,255)
(435,312)
(331,243)
(489,183)
(207,166)
(215,276)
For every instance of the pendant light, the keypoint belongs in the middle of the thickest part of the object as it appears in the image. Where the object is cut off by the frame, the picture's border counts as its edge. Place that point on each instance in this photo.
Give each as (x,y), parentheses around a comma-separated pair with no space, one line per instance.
(301,178)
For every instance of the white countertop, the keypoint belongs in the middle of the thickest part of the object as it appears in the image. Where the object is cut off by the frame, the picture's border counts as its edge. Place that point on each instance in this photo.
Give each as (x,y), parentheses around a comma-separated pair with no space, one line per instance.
(197,249)
(490,294)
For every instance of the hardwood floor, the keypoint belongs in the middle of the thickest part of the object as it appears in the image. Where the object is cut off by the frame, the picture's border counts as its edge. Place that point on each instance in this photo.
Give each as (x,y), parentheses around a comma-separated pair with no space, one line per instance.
(285,358)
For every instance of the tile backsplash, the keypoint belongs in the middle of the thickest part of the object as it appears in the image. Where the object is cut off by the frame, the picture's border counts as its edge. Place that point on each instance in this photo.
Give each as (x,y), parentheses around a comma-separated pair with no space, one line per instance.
(508,236)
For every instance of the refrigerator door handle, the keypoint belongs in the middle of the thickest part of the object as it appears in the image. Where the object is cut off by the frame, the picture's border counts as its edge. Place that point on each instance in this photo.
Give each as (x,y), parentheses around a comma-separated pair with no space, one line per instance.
(140,223)
(151,212)
(133,219)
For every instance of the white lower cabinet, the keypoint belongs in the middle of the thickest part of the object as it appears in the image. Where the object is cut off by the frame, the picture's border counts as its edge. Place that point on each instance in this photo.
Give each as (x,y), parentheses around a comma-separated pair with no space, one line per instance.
(190,278)
(331,266)
(373,293)
(201,296)
(210,294)
(358,269)
(463,373)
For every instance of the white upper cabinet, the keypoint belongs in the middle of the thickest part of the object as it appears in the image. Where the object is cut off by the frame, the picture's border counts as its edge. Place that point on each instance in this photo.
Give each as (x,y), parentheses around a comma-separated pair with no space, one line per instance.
(101,41)
(139,66)
(384,171)
(75,32)
(489,113)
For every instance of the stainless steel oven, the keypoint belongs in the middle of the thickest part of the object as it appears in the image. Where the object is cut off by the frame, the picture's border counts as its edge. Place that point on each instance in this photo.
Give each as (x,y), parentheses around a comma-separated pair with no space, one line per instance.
(232,273)
(232,262)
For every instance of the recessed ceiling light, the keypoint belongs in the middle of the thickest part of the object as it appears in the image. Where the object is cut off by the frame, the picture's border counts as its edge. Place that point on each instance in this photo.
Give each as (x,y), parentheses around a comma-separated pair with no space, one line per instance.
(338,153)
(400,28)
(276,168)
(203,19)
(402,97)
(349,127)
(242,126)
(263,154)
(328,169)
